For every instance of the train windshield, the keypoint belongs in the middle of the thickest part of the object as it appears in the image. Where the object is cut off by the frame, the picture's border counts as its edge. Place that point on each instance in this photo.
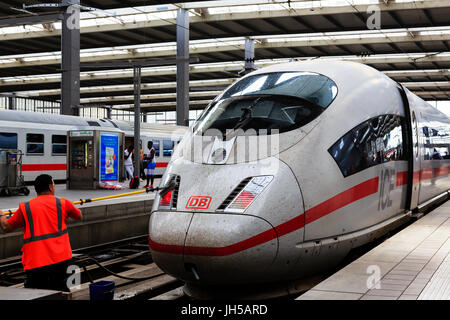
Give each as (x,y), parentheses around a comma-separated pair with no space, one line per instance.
(280,101)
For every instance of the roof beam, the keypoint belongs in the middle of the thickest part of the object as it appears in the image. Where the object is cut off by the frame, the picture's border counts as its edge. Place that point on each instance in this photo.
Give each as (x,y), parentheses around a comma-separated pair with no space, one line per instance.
(430,84)
(206,93)
(149,97)
(38,19)
(161,104)
(218,67)
(233,44)
(233,16)
(431,93)
(193,84)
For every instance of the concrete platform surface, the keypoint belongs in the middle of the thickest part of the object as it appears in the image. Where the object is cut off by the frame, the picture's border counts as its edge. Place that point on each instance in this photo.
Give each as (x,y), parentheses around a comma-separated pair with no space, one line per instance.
(75,195)
(414,264)
(7,293)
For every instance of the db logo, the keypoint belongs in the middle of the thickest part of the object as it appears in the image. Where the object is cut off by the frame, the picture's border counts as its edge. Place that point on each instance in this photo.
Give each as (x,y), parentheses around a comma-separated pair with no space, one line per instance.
(198,203)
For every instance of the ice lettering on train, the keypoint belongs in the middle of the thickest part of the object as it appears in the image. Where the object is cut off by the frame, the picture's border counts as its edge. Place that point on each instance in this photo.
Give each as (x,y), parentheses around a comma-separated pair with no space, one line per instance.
(387,184)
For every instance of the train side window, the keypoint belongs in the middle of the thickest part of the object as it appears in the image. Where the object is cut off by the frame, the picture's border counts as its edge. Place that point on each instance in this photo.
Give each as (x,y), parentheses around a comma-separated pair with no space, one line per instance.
(156,146)
(373,142)
(8,140)
(35,144)
(437,143)
(59,145)
(168,146)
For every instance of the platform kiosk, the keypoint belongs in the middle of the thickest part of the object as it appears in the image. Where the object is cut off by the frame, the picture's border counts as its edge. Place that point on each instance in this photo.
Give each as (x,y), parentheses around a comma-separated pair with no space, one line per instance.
(94,156)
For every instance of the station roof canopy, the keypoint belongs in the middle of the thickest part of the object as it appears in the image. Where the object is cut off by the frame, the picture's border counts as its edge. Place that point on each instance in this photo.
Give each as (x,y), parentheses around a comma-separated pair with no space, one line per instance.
(412,46)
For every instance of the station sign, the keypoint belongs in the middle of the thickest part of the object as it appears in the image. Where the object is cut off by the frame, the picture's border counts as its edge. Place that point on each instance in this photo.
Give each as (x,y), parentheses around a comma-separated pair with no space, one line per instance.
(81,133)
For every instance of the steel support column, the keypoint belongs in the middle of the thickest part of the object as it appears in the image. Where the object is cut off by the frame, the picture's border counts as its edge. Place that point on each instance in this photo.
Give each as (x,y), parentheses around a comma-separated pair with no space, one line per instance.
(137,121)
(182,67)
(70,62)
(249,65)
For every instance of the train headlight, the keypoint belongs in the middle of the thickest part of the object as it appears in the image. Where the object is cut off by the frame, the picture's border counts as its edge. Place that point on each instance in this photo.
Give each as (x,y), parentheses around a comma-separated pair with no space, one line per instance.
(169,194)
(165,201)
(248,194)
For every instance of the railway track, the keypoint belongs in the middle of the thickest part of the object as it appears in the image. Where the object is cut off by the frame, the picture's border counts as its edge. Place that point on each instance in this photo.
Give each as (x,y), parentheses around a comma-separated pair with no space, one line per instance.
(128,263)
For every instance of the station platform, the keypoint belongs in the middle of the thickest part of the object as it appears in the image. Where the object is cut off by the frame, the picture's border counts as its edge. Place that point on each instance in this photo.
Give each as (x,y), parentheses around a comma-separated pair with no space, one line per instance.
(75,195)
(103,221)
(7,293)
(414,264)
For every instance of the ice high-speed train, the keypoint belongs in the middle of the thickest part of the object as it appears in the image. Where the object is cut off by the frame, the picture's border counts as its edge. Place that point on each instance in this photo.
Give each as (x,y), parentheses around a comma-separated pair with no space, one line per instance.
(343,155)
(42,139)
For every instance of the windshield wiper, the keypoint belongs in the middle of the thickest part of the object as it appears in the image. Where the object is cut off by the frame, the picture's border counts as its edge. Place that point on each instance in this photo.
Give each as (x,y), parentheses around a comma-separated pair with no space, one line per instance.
(246,115)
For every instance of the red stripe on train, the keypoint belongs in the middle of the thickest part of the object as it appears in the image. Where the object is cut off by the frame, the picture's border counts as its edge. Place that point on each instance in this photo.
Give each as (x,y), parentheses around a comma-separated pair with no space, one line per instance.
(162,164)
(439,172)
(44,167)
(422,175)
(343,199)
(426,174)
(402,178)
(167,248)
(63,167)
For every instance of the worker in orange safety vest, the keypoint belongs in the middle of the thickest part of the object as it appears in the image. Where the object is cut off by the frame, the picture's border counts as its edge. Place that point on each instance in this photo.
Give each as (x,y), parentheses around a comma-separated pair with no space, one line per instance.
(46,251)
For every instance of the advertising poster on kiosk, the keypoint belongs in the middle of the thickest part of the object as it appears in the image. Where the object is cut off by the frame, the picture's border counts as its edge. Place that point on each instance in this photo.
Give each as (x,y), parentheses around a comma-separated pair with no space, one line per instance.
(109,157)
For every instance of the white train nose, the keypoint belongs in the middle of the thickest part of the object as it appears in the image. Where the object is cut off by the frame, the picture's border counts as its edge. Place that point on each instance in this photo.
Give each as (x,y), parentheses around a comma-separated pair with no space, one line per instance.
(201,246)
(220,244)
(227,224)
(167,233)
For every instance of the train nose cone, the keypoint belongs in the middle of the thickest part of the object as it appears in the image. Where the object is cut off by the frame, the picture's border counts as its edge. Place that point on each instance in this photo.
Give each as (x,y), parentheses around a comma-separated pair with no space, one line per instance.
(228,248)
(213,248)
(167,233)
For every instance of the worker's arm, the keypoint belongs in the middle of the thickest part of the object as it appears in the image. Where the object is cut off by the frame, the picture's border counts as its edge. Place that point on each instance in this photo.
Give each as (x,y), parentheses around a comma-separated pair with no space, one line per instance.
(73,212)
(6,227)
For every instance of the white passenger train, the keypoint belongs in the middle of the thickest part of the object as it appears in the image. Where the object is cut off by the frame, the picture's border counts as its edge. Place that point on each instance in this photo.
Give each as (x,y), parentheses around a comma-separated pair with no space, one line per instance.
(42,139)
(354,154)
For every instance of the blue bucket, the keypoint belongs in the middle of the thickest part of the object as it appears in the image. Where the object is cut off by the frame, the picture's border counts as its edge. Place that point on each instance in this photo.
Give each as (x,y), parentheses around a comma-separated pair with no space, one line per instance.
(101,290)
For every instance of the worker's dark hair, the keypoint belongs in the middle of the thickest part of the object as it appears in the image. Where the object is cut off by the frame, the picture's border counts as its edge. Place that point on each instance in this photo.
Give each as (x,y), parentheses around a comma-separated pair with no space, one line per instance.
(150,144)
(42,183)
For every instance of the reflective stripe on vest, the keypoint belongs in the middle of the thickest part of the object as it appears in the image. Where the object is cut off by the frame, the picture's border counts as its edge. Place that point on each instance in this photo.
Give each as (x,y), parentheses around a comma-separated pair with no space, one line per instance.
(34,238)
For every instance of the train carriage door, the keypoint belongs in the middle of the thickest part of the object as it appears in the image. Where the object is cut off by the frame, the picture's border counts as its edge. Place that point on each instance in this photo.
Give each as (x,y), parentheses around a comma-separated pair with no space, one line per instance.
(413,185)
(416,162)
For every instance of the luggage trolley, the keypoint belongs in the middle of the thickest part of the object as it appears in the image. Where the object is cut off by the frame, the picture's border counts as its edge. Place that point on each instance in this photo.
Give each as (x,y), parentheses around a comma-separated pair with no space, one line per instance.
(11,178)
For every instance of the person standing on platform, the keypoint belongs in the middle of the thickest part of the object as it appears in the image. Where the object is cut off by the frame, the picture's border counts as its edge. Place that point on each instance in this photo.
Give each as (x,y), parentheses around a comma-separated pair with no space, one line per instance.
(46,251)
(129,161)
(151,165)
